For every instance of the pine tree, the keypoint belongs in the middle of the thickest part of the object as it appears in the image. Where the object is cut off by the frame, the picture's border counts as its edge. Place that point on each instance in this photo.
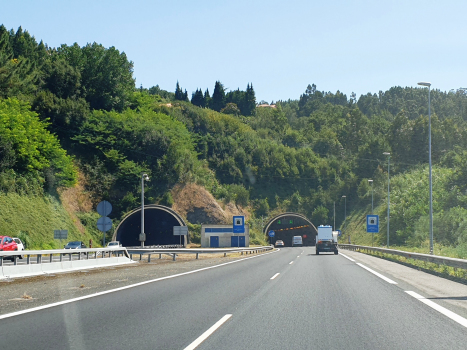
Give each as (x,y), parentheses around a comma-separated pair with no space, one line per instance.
(249,105)
(197,98)
(178,92)
(207,99)
(218,97)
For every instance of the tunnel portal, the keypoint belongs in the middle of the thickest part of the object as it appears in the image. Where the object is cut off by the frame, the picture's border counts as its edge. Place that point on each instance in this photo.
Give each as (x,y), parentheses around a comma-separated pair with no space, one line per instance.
(287,225)
(158,226)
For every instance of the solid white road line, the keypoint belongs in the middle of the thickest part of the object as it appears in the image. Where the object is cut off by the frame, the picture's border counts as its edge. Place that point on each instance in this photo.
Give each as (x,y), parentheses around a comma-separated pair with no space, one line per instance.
(290,263)
(206,334)
(345,256)
(453,316)
(277,274)
(16,313)
(377,274)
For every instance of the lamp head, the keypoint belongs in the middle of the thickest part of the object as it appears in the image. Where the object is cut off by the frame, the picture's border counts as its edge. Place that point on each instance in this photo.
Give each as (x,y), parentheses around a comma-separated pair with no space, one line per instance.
(423,83)
(145,177)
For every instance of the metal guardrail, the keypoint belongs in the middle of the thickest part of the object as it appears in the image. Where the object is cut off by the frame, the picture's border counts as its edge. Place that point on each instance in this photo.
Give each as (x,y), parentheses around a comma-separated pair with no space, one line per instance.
(174,252)
(440,260)
(83,254)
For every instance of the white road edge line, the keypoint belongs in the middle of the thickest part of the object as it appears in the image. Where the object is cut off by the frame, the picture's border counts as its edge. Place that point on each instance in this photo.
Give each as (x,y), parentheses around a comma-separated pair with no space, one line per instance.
(345,256)
(290,263)
(277,274)
(453,316)
(63,302)
(377,274)
(206,334)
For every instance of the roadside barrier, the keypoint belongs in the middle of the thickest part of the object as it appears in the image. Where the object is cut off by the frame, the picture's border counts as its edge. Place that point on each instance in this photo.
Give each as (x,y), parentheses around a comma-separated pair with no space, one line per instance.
(37,262)
(174,252)
(440,260)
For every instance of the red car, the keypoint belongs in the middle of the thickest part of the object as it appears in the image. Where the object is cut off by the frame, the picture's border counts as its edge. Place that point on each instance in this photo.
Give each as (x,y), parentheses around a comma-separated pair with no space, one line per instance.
(7,244)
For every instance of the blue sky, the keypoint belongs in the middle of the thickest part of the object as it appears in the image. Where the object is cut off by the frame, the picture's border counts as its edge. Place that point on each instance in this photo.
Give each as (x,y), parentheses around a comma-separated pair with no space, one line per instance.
(356,46)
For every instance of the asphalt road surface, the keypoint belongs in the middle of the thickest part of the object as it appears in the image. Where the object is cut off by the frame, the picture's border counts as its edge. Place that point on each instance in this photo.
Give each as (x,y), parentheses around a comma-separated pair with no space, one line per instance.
(289,299)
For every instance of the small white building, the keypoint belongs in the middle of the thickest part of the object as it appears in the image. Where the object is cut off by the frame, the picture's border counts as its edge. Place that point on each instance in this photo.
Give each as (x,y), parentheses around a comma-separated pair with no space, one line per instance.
(222,236)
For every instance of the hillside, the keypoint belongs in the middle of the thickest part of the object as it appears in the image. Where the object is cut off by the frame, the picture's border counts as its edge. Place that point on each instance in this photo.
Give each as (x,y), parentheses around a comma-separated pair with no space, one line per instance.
(63,126)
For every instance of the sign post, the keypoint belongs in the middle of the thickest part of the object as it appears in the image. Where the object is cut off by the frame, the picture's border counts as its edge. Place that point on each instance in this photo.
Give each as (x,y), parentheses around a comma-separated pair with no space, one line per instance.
(372,225)
(180,231)
(104,223)
(238,226)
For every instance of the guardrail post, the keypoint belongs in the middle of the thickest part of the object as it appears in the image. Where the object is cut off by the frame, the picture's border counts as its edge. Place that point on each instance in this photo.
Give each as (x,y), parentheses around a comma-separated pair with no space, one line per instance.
(141,257)
(28,259)
(197,254)
(225,254)
(131,256)
(160,256)
(61,257)
(175,255)
(39,258)
(1,260)
(149,258)
(15,258)
(51,257)
(69,257)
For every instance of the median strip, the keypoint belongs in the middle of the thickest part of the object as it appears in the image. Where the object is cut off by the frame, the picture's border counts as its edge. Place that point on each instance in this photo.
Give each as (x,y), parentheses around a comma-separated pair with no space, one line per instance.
(453,316)
(206,334)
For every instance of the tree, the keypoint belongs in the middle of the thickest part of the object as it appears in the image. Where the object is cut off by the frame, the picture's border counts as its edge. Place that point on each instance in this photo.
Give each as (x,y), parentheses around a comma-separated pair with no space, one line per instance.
(249,105)
(197,98)
(218,97)
(106,75)
(207,99)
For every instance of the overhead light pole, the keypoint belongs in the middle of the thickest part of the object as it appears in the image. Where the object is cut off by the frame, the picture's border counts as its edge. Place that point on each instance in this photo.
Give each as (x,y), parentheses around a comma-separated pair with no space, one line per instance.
(428,85)
(389,157)
(372,234)
(142,236)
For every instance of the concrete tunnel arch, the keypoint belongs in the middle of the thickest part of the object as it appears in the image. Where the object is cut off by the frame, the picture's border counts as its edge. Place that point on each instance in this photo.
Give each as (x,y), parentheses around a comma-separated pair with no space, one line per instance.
(159,221)
(287,225)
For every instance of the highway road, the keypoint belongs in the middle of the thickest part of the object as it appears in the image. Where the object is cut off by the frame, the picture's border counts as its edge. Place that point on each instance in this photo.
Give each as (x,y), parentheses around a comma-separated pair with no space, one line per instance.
(289,299)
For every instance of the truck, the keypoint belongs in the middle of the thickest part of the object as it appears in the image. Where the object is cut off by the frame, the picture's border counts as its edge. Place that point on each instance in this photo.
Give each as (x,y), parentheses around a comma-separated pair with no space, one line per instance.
(326,240)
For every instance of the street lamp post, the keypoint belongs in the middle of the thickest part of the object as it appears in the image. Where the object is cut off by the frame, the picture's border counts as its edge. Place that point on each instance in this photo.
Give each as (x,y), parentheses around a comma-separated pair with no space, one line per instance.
(372,234)
(345,214)
(428,85)
(389,157)
(142,236)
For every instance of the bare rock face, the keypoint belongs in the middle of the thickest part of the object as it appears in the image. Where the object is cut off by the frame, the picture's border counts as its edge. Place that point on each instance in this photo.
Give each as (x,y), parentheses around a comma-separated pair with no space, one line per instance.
(199,206)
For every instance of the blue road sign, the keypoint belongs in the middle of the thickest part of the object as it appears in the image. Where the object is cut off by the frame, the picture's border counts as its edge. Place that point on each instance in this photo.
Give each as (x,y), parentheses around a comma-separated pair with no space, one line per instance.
(271,233)
(238,224)
(372,223)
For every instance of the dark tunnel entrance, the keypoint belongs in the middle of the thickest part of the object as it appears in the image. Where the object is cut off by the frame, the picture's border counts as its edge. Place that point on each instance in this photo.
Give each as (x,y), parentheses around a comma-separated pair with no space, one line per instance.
(158,226)
(287,225)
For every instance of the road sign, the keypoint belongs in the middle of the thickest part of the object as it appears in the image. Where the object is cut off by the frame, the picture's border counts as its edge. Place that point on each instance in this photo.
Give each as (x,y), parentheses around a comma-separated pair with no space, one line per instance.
(372,223)
(104,224)
(271,233)
(60,234)
(104,208)
(238,224)
(180,230)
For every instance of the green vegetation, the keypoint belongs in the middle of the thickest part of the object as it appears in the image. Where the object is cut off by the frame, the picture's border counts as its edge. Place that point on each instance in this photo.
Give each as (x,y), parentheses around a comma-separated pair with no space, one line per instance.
(73,109)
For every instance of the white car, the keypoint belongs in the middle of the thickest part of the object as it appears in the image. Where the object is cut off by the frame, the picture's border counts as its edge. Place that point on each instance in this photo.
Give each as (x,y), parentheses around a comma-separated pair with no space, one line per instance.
(20,245)
(114,244)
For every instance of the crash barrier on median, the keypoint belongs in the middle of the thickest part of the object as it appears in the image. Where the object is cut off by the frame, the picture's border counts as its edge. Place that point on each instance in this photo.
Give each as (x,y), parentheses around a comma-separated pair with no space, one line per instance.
(440,260)
(37,262)
(174,252)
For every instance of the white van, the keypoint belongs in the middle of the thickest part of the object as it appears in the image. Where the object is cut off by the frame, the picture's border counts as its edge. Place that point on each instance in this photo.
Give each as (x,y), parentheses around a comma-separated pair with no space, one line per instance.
(297,241)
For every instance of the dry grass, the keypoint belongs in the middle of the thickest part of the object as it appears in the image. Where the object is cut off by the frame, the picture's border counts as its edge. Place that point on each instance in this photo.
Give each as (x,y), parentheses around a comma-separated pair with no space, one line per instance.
(25,296)
(76,199)
(194,200)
